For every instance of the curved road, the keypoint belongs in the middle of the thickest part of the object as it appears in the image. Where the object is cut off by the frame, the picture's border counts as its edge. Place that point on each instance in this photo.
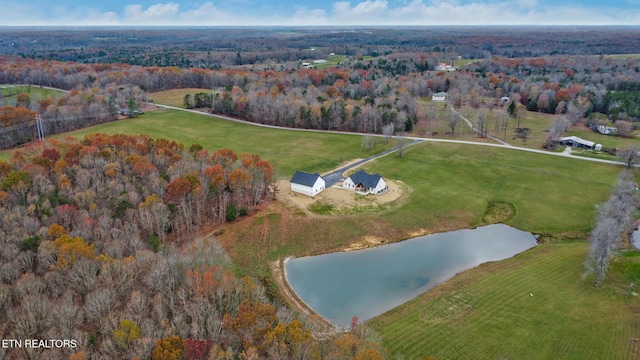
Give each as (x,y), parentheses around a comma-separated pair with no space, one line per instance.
(336,175)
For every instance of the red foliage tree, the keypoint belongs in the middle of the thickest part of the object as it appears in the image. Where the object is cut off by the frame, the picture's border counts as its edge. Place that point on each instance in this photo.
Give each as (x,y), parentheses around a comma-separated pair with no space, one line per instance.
(196,349)
(177,189)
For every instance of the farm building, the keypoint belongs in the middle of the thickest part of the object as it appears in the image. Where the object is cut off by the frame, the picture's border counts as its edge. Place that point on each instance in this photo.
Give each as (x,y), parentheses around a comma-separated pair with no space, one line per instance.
(307,184)
(575,141)
(439,96)
(365,183)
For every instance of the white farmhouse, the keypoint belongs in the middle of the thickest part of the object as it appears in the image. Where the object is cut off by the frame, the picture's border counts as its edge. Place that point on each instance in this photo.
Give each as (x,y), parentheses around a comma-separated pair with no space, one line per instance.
(365,183)
(307,184)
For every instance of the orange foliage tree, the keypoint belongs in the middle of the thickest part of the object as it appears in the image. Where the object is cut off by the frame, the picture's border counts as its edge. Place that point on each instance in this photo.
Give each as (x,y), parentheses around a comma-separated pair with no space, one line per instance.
(69,250)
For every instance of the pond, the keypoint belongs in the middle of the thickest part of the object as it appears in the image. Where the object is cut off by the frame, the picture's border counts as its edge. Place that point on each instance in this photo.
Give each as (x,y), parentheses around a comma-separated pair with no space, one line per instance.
(367,283)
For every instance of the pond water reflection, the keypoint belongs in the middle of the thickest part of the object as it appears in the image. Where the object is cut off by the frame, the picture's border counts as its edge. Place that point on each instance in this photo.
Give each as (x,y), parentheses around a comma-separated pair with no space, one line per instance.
(367,283)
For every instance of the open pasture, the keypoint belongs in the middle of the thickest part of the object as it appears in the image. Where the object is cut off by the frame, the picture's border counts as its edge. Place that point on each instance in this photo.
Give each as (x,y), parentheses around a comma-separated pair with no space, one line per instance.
(536,305)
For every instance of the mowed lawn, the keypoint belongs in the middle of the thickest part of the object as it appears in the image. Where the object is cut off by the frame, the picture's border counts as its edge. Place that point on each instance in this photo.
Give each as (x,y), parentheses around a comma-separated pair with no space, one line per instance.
(175,97)
(534,306)
(288,150)
(452,185)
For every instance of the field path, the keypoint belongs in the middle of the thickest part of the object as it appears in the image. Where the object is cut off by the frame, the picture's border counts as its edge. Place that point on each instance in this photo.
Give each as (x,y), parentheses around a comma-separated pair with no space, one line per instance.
(415,139)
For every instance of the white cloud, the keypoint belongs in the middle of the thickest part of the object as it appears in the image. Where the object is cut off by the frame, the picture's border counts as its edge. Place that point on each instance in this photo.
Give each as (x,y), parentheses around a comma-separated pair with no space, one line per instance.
(362,10)
(341,13)
(153,14)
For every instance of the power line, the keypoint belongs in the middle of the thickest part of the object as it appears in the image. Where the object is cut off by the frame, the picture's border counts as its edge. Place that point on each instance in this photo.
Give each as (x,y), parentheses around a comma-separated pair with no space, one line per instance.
(40,127)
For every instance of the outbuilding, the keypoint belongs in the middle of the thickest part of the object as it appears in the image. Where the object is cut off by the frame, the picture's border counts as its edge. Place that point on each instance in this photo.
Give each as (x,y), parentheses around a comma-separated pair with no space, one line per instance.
(307,184)
(439,96)
(365,183)
(577,142)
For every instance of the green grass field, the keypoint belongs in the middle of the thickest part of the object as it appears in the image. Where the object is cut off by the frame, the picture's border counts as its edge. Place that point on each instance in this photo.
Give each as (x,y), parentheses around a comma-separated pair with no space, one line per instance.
(489,313)
(7,93)
(175,97)
(455,183)
(289,150)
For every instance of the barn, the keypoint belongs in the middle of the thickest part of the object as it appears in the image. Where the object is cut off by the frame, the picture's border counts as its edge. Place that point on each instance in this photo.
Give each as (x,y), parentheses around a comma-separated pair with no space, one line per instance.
(577,142)
(307,184)
(365,183)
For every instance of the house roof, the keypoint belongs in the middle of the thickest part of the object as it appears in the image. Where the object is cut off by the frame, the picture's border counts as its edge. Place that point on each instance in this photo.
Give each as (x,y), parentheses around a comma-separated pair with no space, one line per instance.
(440,94)
(577,140)
(367,180)
(306,179)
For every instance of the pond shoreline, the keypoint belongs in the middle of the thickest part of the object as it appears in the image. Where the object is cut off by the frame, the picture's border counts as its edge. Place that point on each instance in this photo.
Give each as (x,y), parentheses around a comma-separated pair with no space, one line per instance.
(326,328)
(378,279)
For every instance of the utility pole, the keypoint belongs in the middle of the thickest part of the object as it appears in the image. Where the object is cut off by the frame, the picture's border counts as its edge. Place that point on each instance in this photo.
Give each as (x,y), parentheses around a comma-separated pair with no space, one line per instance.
(39,127)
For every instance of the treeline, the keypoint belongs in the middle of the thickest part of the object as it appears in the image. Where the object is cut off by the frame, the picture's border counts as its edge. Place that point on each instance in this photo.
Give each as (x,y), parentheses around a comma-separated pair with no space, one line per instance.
(363,95)
(77,109)
(219,47)
(554,84)
(98,246)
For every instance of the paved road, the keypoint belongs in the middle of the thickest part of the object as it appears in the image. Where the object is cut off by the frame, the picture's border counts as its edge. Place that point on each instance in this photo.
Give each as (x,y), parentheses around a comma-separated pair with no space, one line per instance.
(416,140)
(335,176)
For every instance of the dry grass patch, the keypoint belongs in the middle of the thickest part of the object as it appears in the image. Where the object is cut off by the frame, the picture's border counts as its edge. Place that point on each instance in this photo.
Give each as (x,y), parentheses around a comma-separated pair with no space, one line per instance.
(338,201)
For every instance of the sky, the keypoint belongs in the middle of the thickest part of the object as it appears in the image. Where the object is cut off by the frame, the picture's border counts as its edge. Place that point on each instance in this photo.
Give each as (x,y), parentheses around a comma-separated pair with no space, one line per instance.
(317,13)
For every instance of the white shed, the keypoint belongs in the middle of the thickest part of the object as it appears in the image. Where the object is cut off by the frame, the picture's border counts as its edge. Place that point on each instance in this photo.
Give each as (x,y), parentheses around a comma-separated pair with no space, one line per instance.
(365,183)
(439,96)
(307,184)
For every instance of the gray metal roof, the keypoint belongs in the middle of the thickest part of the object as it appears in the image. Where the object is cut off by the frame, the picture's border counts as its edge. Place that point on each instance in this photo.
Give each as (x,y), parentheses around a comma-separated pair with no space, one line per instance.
(303,178)
(367,180)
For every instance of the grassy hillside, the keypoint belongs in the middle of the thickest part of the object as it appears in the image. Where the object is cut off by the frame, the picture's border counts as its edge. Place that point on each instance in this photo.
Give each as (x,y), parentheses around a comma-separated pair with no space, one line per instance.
(289,150)
(454,184)
(448,186)
(7,93)
(534,306)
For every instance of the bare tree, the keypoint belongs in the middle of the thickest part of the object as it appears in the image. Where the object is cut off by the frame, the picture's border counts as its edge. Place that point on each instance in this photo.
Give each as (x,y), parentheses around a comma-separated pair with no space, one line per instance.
(387,131)
(369,142)
(624,128)
(482,123)
(559,128)
(401,144)
(612,220)
(629,156)
(453,119)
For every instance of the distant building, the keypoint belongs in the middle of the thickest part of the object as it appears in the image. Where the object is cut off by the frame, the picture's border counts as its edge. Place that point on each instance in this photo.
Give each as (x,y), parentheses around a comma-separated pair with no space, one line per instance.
(444,67)
(577,142)
(606,130)
(439,96)
(365,183)
(320,61)
(307,184)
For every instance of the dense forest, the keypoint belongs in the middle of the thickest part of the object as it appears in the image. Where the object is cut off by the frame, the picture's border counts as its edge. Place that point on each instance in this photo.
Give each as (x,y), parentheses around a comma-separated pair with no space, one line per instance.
(100,244)
(373,95)
(219,47)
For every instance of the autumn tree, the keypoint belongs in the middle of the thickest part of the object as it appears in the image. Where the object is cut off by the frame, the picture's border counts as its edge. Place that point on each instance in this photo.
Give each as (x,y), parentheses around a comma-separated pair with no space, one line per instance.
(70,249)
(170,348)
(126,334)
(291,341)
